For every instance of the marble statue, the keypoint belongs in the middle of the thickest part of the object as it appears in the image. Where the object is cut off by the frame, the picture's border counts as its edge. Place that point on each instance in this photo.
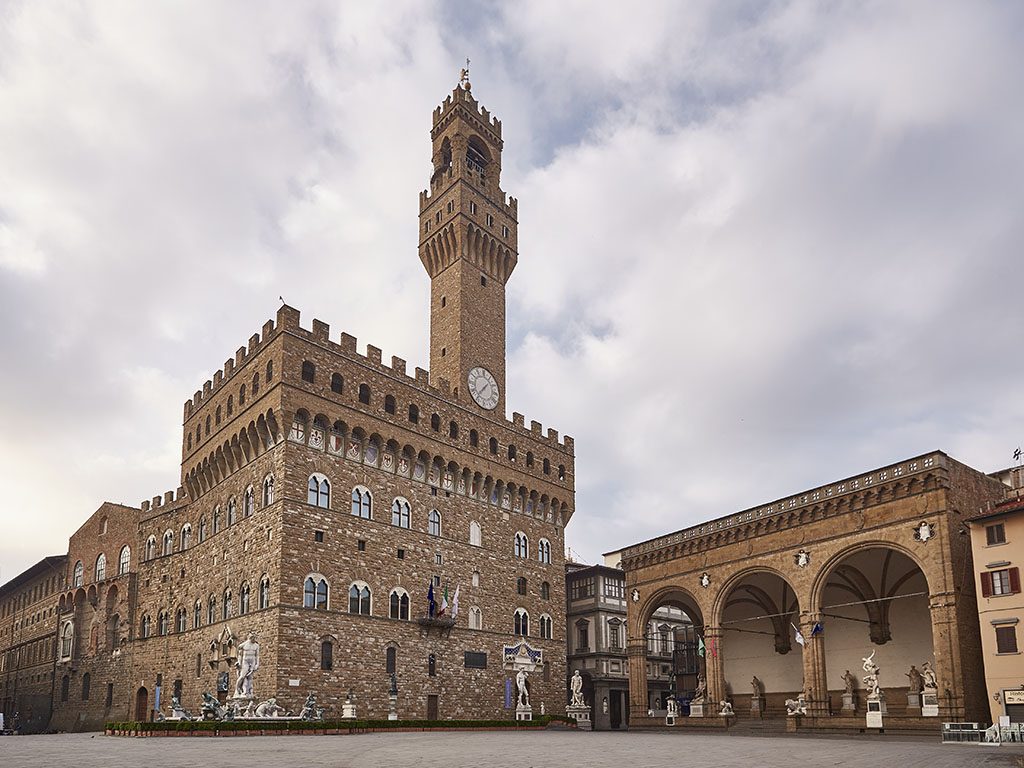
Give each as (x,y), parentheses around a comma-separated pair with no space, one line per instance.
(916,681)
(797,706)
(523,692)
(178,712)
(726,708)
(871,678)
(755,684)
(929,682)
(850,681)
(310,711)
(701,694)
(212,709)
(672,707)
(269,708)
(577,690)
(247,664)
(250,710)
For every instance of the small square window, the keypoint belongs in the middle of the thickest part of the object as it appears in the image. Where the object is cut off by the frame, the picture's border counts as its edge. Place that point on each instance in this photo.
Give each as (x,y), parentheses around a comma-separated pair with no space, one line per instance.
(433,491)
(361,545)
(401,554)
(472,207)
(490,220)
(995,534)
(483,280)
(318,535)
(438,560)
(444,301)
(437,581)
(1006,639)
(444,351)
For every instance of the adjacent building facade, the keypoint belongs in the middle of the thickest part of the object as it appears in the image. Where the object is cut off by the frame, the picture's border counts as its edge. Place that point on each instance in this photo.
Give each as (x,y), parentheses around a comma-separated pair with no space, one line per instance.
(997,538)
(324,491)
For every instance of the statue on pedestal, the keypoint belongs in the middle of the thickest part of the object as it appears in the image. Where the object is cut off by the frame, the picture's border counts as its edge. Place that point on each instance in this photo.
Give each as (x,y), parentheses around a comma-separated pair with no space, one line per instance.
(523,692)
(577,690)
(755,684)
(269,708)
(726,708)
(672,707)
(247,664)
(850,682)
(871,678)
(797,706)
(916,681)
(928,680)
(700,695)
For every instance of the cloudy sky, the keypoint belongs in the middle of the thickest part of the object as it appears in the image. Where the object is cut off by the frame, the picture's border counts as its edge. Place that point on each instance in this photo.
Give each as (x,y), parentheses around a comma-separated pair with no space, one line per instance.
(762,245)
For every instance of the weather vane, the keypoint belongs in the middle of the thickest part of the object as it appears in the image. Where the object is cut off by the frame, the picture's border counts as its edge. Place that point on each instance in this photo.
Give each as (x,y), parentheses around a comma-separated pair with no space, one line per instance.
(464,75)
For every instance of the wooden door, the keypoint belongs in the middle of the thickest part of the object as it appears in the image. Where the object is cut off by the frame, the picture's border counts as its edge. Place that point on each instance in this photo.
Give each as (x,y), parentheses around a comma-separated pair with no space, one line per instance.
(142,705)
(432,708)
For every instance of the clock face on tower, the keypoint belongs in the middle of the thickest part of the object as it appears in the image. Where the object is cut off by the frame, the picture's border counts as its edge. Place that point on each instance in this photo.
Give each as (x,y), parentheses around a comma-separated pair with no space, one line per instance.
(483,387)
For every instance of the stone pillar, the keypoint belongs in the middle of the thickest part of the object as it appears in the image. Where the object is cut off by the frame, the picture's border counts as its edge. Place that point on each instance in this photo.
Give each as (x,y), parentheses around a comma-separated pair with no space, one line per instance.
(714,650)
(815,683)
(636,651)
(946,647)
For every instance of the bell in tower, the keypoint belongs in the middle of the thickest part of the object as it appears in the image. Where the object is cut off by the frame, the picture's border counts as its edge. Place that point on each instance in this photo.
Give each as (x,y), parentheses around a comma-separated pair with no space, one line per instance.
(468,245)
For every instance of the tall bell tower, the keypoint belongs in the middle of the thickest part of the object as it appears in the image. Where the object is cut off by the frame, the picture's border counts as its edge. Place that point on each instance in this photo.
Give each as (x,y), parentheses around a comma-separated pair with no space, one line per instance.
(468,245)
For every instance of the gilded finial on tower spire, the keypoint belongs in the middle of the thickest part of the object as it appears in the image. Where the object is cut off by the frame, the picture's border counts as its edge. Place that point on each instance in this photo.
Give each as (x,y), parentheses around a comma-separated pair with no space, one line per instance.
(464,76)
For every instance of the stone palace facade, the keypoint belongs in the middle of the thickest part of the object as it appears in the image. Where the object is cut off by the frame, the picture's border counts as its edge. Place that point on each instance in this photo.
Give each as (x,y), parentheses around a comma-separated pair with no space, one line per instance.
(322,492)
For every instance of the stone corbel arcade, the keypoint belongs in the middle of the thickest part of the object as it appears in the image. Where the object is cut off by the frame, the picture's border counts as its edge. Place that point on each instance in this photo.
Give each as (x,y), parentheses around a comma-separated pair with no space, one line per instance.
(849,555)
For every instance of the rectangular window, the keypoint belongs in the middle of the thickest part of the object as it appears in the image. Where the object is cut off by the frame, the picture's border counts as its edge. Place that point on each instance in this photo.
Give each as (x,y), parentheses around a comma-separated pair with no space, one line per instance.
(490,220)
(1005,581)
(995,534)
(475,660)
(582,637)
(390,659)
(1006,639)
(614,588)
(326,655)
(361,545)
(318,536)
(110,694)
(581,588)
(472,207)
(401,554)
(613,636)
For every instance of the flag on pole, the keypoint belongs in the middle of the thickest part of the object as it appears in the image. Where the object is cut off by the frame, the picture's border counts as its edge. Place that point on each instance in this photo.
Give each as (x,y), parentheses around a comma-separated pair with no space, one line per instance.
(444,602)
(714,647)
(817,629)
(455,602)
(701,650)
(431,605)
(799,636)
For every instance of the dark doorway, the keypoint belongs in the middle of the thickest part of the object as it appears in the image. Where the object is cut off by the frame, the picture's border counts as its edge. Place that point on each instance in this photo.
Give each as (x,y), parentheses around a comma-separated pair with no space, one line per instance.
(615,709)
(142,705)
(432,708)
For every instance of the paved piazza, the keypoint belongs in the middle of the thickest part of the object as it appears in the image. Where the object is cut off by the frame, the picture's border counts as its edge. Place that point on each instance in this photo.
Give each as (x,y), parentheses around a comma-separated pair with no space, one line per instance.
(549,749)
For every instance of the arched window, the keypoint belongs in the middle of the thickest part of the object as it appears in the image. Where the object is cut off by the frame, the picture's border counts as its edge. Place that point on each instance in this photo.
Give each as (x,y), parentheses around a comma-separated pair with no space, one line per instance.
(476,619)
(190,441)
(309,371)
(197,614)
(475,535)
(492,446)
(389,404)
(474,438)
(268,490)
(79,576)
(186,535)
(264,592)
(561,471)
(400,513)
(225,606)
(521,585)
(511,453)
(522,545)
(547,467)
(168,542)
(434,523)
(319,491)
(521,623)
(65,686)
(66,637)
(362,503)
(545,626)
(241,396)
(101,567)
(545,590)
(399,604)
(211,610)
(217,415)
(435,422)
(270,371)
(232,511)
(544,551)
(249,502)
(163,623)
(216,519)
(476,579)
(180,620)
(390,659)
(125,562)
(529,458)
(453,430)
(364,394)
(414,414)
(202,529)
(359,598)
(337,384)
(243,599)
(326,654)
(315,592)
(255,383)
(86,685)
(207,425)
(231,404)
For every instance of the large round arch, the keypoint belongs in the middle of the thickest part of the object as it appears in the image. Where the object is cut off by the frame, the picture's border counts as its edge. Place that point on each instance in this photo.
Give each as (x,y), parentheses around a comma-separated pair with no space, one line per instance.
(874,597)
(666,636)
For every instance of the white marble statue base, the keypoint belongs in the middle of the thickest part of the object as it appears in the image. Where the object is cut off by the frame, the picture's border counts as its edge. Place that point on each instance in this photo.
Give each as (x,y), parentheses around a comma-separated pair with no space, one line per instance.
(696,709)
(930,703)
(581,714)
(756,705)
(849,702)
(348,711)
(880,701)
(670,719)
(524,712)
(876,708)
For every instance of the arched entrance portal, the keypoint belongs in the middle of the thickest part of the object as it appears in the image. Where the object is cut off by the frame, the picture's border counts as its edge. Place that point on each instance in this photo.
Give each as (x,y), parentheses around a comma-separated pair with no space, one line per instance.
(665,657)
(758,615)
(142,705)
(875,600)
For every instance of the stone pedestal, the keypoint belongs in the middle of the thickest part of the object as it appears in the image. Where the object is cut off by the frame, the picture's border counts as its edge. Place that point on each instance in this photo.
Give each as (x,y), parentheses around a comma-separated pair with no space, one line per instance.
(581,714)
(524,712)
(696,709)
(670,719)
(913,700)
(849,702)
(757,706)
(873,718)
(348,711)
(392,707)
(929,703)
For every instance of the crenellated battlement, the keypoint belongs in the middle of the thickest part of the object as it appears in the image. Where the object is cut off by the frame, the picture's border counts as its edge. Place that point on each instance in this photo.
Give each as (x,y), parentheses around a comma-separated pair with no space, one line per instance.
(464,97)
(288,321)
(170,498)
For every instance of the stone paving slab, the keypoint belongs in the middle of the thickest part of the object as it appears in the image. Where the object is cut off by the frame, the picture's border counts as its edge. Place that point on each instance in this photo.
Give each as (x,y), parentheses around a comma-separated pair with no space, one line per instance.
(546,749)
